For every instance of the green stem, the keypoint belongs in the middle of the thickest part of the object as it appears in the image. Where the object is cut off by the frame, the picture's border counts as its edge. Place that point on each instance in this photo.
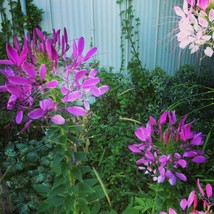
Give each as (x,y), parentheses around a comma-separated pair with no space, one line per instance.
(155,199)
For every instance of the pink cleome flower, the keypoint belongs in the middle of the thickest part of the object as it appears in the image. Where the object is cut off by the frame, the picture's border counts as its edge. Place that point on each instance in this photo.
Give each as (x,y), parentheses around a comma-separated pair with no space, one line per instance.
(44,83)
(166,148)
(196,26)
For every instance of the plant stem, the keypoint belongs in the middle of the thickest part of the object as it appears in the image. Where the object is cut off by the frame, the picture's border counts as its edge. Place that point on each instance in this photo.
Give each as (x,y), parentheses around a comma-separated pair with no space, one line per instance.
(154,203)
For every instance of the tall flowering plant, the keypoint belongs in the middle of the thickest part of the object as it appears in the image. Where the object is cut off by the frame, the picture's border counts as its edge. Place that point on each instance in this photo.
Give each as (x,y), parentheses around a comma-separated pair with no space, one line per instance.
(44,83)
(167,147)
(196,25)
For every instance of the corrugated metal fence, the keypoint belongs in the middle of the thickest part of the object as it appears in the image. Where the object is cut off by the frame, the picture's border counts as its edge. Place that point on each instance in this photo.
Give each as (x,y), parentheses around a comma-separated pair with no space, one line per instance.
(99,22)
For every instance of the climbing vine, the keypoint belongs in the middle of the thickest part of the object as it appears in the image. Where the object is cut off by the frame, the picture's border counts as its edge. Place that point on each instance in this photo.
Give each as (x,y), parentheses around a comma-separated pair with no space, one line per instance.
(14,22)
(129,35)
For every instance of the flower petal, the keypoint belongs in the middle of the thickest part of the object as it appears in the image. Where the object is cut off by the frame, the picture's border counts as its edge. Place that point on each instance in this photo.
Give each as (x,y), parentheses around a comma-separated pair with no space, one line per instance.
(182,163)
(52,84)
(91,82)
(25,126)
(163,117)
(172,211)
(76,110)
(179,11)
(191,198)
(199,159)
(208,51)
(19,116)
(42,72)
(209,191)
(80,45)
(18,80)
(134,149)
(58,119)
(183,204)
(40,34)
(12,53)
(90,53)
(199,187)
(197,139)
(71,96)
(29,69)
(172,180)
(142,133)
(152,120)
(181,176)
(47,104)
(36,113)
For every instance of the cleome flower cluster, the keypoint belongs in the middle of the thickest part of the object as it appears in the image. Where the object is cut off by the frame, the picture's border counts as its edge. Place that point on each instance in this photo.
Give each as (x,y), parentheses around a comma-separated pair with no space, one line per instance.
(167,147)
(196,26)
(44,83)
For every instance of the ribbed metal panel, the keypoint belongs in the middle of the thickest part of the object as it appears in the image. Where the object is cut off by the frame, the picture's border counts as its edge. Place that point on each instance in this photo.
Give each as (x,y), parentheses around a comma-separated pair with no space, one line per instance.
(46,24)
(99,22)
(147,11)
(107,32)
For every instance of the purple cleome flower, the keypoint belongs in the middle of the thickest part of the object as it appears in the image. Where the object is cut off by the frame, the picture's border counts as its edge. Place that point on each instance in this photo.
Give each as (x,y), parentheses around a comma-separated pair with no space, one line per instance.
(44,83)
(167,147)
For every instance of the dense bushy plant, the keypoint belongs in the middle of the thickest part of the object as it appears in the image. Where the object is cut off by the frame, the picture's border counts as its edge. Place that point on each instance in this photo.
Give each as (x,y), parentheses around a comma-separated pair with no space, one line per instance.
(116,118)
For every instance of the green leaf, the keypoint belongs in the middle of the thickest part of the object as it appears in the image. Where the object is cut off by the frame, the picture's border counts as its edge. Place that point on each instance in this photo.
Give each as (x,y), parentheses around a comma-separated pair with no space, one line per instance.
(55,201)
(130,210)
(83,206)
(59,190)
(59,180)
(96,208)
(77,173)
(42,189)
(91,182)
(81,156)
(69,204)
(85,188)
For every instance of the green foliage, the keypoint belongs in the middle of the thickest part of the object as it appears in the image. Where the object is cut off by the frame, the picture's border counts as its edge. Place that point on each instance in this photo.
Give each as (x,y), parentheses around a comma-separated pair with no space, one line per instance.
(160,197)
(34,16)
(115,120)
(29,164)
(129,33)
(75,188)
